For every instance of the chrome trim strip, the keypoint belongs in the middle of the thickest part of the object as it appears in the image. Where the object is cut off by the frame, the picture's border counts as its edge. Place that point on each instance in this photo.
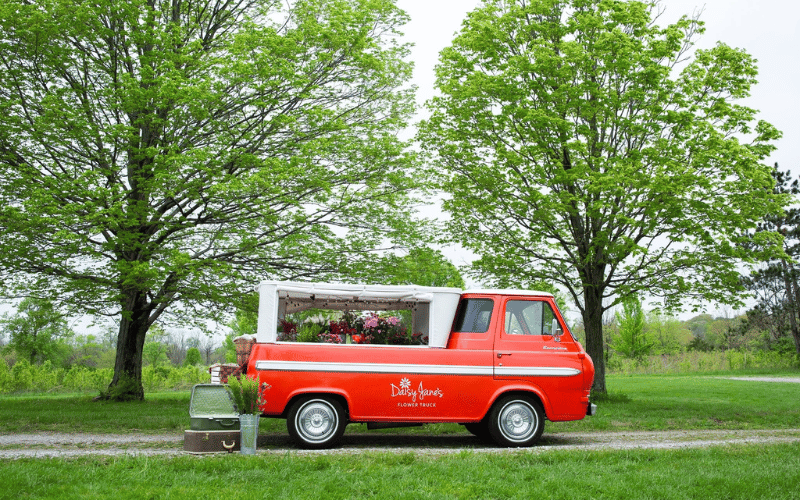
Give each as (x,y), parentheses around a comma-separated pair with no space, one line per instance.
(535,371)
(322,366)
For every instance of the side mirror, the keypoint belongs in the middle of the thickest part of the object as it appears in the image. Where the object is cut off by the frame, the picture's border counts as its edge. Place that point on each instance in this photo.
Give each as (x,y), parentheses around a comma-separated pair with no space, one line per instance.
(556,330)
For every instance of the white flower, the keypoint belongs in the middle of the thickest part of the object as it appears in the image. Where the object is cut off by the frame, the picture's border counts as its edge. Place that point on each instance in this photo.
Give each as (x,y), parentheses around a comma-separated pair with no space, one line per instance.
(405,383)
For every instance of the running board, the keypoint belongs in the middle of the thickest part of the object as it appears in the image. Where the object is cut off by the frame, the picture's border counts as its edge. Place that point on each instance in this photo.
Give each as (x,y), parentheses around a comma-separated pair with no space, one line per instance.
(390,425)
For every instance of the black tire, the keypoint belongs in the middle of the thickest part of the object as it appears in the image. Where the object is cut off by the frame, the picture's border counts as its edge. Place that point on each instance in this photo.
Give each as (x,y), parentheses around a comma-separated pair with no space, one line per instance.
(516,421)
(316,422)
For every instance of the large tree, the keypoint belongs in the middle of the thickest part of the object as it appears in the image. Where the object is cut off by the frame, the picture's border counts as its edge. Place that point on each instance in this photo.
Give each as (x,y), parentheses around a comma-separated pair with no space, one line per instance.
(160,156)
(585,146)
(776,285)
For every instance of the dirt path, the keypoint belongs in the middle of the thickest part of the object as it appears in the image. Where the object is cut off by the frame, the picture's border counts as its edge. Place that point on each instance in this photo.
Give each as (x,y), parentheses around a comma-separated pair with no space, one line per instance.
(793,380)
(44,445)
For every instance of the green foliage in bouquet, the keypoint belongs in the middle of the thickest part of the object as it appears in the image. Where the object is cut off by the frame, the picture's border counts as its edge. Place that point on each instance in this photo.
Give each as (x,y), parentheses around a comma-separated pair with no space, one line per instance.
(248,394)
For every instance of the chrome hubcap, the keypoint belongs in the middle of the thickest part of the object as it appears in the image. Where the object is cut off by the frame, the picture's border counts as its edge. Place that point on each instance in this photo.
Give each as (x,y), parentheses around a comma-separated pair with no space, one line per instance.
(517,421)
(316,421)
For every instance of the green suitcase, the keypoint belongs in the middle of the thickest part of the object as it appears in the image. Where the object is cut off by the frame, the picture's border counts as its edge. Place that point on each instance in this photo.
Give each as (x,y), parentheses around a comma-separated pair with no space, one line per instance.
(212,409)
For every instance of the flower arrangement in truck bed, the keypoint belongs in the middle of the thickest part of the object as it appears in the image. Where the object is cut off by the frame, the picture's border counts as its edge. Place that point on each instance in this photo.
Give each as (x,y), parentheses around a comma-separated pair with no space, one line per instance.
(371,328)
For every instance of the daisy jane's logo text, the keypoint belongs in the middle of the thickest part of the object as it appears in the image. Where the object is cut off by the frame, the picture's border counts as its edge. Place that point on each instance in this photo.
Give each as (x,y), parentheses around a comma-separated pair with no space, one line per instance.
(405,390)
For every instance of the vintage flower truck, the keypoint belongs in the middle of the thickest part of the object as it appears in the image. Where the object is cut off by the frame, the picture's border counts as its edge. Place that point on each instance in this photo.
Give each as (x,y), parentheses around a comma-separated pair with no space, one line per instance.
(499,362)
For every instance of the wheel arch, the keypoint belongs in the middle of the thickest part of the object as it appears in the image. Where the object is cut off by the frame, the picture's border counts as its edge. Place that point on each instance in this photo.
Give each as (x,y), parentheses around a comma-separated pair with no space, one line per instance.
(337,395)
(531,392)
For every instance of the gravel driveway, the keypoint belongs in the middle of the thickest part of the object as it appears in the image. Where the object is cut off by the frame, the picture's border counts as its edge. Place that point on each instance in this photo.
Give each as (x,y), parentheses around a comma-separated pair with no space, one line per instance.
(792,380)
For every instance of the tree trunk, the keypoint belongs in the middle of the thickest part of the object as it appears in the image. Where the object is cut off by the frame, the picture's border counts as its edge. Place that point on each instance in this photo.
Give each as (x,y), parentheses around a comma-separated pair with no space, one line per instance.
(127,382)
(593,323)
(34,352)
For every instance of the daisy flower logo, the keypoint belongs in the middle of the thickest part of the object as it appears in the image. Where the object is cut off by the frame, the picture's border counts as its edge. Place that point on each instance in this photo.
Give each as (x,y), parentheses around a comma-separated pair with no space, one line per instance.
(405,383)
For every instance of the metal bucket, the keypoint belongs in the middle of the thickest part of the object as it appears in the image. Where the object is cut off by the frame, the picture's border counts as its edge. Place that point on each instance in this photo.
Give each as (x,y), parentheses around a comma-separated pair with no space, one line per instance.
(248,427)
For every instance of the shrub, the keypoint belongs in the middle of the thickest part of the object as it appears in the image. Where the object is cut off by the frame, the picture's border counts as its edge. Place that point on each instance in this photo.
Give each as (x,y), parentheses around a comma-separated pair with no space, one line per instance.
(699,362)
(6,379)
(46,377)
(85,379)
(193,357)
(24,377)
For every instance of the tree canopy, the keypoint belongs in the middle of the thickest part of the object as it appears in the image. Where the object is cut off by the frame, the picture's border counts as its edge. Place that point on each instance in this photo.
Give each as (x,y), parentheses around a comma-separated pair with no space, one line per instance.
(37,331)
(160,156)
(586,146)
(632,340)
(420,266)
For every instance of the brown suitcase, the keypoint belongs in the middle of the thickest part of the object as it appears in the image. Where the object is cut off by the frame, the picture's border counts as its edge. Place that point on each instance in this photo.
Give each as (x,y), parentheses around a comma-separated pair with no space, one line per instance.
(210,441)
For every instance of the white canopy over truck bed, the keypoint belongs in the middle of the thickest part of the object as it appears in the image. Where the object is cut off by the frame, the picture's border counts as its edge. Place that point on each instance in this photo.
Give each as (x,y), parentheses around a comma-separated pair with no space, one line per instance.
(433,308)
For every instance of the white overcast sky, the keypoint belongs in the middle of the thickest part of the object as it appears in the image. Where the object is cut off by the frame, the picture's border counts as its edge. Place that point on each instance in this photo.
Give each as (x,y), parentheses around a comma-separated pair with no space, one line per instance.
(769,30)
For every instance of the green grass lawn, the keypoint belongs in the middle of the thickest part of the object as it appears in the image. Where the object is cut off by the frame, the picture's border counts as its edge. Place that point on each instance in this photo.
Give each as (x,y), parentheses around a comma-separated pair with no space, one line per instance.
(160,412)
(732,472)
(647,402)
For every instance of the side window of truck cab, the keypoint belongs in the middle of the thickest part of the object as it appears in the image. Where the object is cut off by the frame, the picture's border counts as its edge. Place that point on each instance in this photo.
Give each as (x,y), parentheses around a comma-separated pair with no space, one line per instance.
(474,315)
(528,317)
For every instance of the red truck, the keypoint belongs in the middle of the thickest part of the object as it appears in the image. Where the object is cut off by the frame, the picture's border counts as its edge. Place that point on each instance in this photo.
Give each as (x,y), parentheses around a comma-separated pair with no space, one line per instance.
(499,362)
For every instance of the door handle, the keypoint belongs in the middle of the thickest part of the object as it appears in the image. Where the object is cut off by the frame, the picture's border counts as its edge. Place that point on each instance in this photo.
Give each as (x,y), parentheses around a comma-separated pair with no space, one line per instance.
(501,354)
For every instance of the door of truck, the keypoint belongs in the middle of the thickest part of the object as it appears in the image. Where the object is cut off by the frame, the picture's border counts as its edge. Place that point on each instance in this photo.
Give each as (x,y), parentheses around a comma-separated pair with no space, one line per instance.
(532,344)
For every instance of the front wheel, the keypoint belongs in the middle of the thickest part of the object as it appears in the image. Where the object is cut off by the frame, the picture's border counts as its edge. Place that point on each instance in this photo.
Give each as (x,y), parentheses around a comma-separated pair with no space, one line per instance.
(516,421)
(316,422)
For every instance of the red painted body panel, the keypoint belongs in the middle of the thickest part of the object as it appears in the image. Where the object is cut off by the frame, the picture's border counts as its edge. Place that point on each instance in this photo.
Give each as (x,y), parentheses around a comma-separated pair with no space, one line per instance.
(383,383)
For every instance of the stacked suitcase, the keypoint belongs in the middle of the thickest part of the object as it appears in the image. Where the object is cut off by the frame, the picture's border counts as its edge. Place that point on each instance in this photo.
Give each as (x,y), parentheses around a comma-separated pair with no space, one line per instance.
(214,421)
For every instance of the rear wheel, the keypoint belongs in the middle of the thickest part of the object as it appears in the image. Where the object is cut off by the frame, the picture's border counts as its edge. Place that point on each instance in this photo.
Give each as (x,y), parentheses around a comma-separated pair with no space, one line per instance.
(316,422)
(516,421)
